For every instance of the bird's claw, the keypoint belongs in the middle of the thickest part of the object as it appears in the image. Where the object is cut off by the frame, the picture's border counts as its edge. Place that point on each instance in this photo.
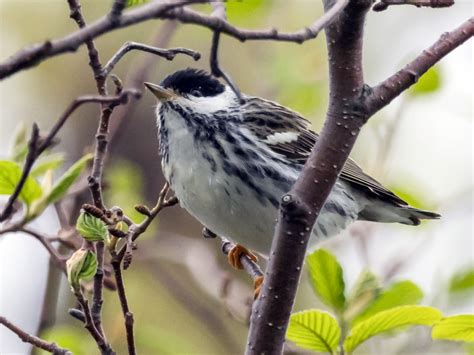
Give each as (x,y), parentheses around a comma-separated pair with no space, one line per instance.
(236,252)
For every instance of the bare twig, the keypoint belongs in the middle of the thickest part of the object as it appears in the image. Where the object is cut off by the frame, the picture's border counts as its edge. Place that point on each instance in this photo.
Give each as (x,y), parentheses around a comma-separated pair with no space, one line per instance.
(90,326)
(217,71)
(128,315)
(384,4)
(28,57)
(33,340)
(169,54)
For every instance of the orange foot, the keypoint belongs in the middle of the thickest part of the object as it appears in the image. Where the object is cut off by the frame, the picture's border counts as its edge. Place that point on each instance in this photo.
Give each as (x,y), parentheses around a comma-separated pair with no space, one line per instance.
(257,284)
(236,252)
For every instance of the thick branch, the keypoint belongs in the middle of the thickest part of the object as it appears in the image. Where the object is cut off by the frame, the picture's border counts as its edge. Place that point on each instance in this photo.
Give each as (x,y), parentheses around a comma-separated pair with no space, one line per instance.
(301,206)
(28,338)
(33,55)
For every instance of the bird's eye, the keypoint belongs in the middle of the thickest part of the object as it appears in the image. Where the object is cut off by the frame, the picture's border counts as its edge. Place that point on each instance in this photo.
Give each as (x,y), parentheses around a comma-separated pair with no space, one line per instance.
(196,93)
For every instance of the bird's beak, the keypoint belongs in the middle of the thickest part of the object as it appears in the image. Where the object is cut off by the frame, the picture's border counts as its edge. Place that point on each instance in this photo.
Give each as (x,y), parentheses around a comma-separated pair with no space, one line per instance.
(160,92)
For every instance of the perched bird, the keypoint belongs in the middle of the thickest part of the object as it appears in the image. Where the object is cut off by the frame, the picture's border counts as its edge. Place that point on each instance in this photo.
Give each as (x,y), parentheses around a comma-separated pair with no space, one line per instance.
(229,164)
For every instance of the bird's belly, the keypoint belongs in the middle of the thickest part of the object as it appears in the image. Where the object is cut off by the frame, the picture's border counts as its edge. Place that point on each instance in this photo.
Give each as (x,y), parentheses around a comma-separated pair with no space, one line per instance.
(233,211)
(224,205)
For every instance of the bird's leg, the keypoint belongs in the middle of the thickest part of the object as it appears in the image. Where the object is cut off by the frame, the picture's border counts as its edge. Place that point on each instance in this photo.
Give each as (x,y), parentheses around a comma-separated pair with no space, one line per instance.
(257,284)
(236,252)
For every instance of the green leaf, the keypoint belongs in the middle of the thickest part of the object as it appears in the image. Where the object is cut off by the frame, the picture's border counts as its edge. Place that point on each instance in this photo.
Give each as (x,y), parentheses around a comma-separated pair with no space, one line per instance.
(10,174)
(388,320)
(131,3)
(82,265)
(399,294)
(456,328)
(67,179)
(52,162)
(314,330)
(428,83)
(462,281)
(327,278)
(91,228)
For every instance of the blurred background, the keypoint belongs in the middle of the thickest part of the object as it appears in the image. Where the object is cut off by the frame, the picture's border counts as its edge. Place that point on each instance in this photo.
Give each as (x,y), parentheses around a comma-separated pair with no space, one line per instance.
(185,298)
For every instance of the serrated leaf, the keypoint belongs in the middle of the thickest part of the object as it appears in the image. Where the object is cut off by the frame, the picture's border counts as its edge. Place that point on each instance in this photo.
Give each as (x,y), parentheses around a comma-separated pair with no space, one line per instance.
(456,328)
(314,330)
(91,228)
(82,265)
(327,278)
(10,173)
(52,162)
(389,320)
(462,281)
(427,83)
(67,179)
(399,294)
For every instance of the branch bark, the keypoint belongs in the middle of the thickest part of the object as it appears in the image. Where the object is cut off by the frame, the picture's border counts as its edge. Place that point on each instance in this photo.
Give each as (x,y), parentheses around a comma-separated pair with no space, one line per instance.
(28,338)
(351,103)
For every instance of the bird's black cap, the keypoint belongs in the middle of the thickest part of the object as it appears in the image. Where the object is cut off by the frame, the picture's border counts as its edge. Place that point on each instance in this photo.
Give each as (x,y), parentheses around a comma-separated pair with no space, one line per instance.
(193,81)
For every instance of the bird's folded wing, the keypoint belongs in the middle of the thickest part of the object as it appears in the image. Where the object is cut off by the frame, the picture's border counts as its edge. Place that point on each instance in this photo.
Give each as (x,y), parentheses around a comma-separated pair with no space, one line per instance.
(287,133)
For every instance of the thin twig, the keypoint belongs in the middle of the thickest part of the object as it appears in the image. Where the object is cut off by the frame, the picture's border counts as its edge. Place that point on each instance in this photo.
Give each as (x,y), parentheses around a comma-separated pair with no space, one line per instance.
(217,71)
(128,315)
(89,325)
(33,340)
(384,4)
(135,230)
(117,8)
(169,54)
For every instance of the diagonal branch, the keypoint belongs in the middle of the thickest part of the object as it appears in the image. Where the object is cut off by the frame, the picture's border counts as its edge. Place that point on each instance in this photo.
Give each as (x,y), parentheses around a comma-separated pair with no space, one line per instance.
(33,340)
(389,89)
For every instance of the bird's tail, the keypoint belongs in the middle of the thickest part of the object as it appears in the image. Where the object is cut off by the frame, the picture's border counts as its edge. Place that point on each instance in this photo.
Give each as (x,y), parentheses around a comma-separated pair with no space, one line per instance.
(391,213)
(414,215)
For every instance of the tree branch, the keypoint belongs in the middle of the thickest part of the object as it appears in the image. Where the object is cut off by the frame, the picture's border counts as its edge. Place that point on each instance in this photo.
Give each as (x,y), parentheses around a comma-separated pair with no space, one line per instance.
(301,206)
(33,340)
(384,4)
(383,93)
(33,55)
(169,54)
(351,104)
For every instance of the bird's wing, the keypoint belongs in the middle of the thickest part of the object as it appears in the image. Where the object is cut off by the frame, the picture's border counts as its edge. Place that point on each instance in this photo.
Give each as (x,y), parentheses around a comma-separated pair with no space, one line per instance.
(287,133)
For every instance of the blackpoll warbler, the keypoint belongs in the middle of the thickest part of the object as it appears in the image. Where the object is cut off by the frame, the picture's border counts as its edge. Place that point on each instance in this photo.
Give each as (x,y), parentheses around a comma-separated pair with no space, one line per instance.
(229,164)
